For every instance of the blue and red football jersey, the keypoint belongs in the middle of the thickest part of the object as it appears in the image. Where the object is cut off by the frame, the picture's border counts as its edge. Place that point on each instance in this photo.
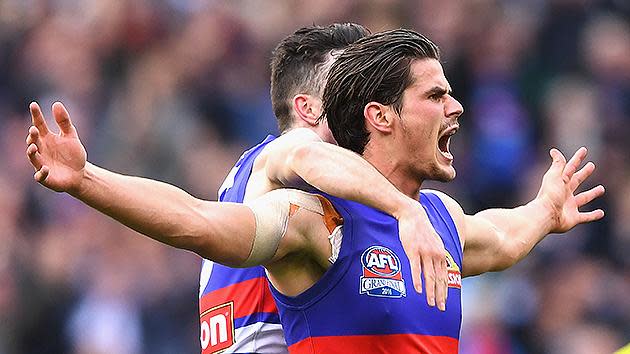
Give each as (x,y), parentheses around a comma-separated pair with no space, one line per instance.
(365,302)
(237,311)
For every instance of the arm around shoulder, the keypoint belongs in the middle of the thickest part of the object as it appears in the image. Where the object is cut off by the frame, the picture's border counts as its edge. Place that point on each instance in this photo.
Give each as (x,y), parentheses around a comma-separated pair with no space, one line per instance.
(279,158)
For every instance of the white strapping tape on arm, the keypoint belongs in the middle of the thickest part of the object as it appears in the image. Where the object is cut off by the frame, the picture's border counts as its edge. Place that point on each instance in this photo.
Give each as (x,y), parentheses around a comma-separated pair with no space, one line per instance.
(271,212)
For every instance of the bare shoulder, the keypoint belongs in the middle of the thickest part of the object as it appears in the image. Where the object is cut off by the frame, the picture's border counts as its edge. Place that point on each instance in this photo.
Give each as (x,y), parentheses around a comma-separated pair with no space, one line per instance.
(300,133)
(303,208)
(309,222)
(289,140)
(308,211)
(304,254)
(271,170)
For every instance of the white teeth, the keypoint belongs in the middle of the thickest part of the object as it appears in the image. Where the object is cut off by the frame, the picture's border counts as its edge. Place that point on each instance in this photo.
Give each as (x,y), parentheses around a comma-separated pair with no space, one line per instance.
(447,154)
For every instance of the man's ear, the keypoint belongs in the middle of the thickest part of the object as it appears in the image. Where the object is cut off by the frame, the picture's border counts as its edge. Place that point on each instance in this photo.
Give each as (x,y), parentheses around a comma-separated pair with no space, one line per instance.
(380,117)
(307,108)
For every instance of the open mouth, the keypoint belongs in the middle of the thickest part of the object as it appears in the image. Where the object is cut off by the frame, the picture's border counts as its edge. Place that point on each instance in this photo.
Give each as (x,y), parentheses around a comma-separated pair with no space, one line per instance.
(444,142)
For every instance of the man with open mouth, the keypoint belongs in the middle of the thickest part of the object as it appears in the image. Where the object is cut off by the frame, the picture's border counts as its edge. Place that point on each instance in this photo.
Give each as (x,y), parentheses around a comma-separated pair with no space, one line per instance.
(338,271)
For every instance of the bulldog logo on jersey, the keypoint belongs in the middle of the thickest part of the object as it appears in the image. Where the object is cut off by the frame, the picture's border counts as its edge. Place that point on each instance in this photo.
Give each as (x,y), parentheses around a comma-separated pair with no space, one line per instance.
(454,274)
(382,273)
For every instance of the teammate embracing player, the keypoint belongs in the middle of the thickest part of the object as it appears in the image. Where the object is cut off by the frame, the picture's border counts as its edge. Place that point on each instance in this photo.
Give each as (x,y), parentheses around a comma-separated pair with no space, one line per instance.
(302,157)
(339,272)
(237,312)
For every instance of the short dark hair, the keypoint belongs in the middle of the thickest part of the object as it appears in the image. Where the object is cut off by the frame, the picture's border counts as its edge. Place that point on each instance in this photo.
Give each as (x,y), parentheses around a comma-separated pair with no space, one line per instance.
(298,64)
(376,68)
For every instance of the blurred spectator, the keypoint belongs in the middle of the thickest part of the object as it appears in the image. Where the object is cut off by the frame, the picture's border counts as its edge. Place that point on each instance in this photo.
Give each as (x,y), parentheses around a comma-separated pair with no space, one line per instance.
(175,90)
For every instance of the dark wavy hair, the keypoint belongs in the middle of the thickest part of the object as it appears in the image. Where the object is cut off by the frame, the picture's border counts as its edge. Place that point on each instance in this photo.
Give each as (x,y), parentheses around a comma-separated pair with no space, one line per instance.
(376,68)
(299,64)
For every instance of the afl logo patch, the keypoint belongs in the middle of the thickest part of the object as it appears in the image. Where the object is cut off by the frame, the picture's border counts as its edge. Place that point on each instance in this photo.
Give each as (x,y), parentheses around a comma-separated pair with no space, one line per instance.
(382,273)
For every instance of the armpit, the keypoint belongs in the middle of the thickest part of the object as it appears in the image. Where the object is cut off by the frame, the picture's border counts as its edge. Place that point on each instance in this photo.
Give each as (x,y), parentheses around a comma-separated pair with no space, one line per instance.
(334,224)
(320,205)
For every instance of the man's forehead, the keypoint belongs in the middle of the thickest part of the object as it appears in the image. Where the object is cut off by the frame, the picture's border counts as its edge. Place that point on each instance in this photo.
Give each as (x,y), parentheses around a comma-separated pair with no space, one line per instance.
(428,73)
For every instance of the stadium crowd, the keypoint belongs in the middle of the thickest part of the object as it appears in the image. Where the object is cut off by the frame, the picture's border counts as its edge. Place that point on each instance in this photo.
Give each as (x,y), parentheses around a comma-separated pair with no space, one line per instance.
(176,89)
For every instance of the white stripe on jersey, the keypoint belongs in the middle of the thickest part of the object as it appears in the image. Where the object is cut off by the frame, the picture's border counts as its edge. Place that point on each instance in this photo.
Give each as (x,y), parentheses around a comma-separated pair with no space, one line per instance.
(204,278)
(259,337)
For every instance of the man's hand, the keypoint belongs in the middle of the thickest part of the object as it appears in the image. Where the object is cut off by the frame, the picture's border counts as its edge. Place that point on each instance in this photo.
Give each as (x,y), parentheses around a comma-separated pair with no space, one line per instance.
(59,159)
(426,254)
(557,192)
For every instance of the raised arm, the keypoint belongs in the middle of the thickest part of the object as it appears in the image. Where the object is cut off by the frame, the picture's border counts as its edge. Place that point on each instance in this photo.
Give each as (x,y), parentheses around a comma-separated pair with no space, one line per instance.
(496,239)
(301,159)
(172,216)
(217,231)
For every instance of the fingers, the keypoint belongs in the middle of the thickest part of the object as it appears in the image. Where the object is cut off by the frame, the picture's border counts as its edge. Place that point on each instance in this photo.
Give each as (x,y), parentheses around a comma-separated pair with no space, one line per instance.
(557,156)
(441,284)
(38,118)
(581,175)
(558,160)
(41,175)
(33,136)
(427,257)
(33,145)
(62,117)
(34,157)
(429,279)
(435,279)
(591,216)
(416,274)
(573,164)
(588,196)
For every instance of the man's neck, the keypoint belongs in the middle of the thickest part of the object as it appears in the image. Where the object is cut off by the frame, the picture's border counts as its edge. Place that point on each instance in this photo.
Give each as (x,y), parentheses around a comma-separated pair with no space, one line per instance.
(390,167)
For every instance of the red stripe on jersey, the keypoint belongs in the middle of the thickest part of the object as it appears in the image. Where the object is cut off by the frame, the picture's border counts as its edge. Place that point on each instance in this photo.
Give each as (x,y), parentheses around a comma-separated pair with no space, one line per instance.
(387,343)
(249,296)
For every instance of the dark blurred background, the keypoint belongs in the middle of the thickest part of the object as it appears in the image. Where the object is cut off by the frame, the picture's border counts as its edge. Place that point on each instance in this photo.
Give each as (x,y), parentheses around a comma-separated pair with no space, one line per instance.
(176,89)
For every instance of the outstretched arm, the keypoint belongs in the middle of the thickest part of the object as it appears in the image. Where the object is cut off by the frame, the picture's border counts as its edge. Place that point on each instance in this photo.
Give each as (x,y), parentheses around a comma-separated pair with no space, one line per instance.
(222,232)
(167,213)
(496,239)
(302,160)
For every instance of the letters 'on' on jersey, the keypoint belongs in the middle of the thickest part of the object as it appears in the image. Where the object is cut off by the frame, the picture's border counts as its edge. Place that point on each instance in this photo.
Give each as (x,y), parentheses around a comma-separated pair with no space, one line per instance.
(217,328)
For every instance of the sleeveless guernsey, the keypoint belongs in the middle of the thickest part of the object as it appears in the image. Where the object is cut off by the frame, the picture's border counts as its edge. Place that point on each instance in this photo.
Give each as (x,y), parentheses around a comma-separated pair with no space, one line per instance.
(237,311)
(365,302)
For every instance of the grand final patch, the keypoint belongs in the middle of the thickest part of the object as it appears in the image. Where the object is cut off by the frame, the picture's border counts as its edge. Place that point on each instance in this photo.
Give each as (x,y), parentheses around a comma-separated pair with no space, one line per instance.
(382,273)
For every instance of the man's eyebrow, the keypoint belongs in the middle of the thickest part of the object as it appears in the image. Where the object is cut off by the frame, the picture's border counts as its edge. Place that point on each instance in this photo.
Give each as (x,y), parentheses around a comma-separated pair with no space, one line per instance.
(437,90)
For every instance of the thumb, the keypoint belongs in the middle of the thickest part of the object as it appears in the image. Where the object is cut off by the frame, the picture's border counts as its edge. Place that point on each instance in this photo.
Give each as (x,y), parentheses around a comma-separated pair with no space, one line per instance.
(558,160)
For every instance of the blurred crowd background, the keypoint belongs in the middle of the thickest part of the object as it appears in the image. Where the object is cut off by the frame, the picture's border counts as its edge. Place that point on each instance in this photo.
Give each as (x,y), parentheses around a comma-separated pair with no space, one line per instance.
(176,89)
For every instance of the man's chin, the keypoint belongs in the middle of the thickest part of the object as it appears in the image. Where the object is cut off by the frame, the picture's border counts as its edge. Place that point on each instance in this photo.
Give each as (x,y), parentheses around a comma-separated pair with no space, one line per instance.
(446,174)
